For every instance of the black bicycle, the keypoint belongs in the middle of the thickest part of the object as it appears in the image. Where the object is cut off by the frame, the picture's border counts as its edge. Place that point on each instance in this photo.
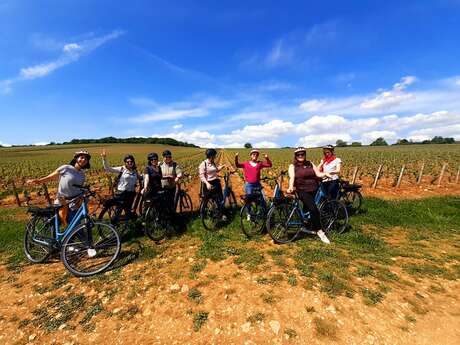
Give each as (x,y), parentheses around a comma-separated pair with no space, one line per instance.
(213,204)
(157,218)
(351,196)
(182,201)
(115,212)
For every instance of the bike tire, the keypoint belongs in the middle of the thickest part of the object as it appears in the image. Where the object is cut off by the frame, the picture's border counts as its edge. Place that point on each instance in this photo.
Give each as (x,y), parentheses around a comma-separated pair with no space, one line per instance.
(185,203)
(231,200)
(38,228)
(115,216)
(210,214)
(155,227)
(100,237)
(334,216)
(252,218)
(353,200)
(277,224)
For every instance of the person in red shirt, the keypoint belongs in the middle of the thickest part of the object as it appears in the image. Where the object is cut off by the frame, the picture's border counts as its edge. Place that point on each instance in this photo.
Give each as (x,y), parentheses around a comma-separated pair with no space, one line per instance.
(251,169)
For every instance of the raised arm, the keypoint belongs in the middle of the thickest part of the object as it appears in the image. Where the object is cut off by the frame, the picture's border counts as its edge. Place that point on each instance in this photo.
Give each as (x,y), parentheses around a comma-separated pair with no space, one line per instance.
(106,165)
(291,173)
(237,162)
(267,163)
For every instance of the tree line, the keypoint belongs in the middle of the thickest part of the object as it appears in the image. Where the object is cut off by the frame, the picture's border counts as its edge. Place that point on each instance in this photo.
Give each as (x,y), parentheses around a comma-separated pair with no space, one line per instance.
(382,142)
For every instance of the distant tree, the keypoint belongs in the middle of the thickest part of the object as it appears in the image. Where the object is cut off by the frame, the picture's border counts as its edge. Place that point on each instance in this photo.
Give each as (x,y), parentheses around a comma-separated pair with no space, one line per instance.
(248,146)
(356,143)
(340,143)
(403,142)
(379,142)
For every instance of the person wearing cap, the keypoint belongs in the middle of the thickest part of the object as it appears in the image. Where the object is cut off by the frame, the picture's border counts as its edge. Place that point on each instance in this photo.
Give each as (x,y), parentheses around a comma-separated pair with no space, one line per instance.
(251,170)
(69,175)
(171,173)
(126,181)
(330,164)
(152,177)
(303,176)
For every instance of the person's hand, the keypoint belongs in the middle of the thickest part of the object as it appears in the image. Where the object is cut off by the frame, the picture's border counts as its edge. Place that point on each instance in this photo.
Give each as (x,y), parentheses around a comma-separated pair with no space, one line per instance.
(237,154)
(142,191)
(290,190)
(208,186)
(103,153)
(32,181)
(176,179)
(265,156)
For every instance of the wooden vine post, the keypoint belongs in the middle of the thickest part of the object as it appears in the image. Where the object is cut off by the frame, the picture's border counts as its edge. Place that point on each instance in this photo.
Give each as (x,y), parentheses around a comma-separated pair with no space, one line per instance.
(458,175)
(443,170)
(379,170)
(47,194)
(400,176)
(110,184)
(16,195)
(355,173)
(420,174)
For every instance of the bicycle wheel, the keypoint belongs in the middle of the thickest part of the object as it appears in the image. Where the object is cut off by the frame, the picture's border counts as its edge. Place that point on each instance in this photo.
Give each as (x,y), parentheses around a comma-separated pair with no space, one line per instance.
(210,213)
(353,201)
(185,203)
(116,216)
(90,248)
(155,227)
(38,239)
(252,218)
(278,224)
(334,216)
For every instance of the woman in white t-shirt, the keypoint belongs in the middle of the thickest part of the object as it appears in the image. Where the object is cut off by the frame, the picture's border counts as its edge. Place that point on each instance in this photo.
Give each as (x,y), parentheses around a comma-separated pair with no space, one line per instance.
(330,164)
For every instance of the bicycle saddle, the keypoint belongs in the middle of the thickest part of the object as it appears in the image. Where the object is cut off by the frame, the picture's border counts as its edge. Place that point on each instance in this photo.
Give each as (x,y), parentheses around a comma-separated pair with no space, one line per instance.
(47,211)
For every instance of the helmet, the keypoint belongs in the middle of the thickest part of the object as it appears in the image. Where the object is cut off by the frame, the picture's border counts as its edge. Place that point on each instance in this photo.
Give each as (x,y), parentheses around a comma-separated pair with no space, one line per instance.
(128,157)
(167,153)
(328,147)
(254,151)
(211,153)
(82,153)
(300,149)
(152,156)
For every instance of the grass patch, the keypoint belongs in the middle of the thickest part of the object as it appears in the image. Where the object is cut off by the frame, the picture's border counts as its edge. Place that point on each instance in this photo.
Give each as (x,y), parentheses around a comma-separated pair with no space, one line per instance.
(249,258)
(195,295)
(325,328)
(292,280)
(424,270)
(334,286)
(199,319)
(196,268)
(371,297)
(268,297)
(291,333)
(257,317)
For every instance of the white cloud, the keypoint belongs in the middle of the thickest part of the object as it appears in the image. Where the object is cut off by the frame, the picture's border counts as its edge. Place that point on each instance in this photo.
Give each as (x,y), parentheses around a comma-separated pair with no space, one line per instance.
(315,140)
(169,114)
(71,52)
(388,99)
(266,144)
(369,137)
(178,126)
(312,105)
(200,138)
(5,144)
(43,143)
(279,54)
(271,130)
(452,131)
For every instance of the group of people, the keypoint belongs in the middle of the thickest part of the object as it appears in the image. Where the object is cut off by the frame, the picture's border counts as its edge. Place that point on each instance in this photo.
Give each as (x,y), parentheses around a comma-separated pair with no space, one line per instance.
(304,177)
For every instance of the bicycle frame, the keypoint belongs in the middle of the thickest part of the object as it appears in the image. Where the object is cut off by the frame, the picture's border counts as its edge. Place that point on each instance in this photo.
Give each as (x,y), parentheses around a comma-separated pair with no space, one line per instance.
(82,213)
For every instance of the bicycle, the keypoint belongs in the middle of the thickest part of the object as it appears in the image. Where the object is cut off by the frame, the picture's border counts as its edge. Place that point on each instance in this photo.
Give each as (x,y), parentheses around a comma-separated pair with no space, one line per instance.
(351,196)
(86,247)
(287,220)
(114,213)
(254,210)
(212,204)
(182,201)
(157,220)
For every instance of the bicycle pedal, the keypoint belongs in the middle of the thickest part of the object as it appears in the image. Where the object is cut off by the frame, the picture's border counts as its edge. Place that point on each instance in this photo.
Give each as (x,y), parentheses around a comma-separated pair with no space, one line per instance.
(308,231)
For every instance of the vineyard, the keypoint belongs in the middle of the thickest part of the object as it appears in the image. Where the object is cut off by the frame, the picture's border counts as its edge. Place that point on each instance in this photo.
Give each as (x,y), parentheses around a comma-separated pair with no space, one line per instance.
(425,166)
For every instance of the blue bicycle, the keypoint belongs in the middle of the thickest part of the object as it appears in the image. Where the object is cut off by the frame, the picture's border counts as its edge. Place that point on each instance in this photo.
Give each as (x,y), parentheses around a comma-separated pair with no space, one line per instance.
(254,211)
(86,247)
(286,221)
(213,204)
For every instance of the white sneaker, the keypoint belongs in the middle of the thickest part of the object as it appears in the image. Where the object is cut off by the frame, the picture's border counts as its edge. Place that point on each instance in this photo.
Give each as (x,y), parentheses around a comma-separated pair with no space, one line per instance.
(323,237)
(92,252)
(248,217)
(224,218)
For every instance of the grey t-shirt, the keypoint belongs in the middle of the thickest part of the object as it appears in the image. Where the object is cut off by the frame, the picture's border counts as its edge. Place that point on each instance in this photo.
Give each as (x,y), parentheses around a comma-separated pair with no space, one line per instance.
(68,176)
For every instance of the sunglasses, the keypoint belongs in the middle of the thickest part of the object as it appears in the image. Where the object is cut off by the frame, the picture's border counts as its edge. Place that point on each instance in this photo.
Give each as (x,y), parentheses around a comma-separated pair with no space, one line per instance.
(168,156)
(300,154)
(154,159)
(129,162)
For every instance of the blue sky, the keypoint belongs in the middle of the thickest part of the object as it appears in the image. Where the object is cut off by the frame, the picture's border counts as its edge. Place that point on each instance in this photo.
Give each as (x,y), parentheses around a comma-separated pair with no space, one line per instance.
(222,73)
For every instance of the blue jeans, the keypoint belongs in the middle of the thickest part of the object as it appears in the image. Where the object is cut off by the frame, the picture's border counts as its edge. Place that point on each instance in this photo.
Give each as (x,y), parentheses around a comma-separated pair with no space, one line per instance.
(249,187)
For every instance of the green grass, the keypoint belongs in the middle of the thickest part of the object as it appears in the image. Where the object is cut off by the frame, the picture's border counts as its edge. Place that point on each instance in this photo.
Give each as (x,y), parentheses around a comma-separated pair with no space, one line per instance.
(199,319)
(371,297)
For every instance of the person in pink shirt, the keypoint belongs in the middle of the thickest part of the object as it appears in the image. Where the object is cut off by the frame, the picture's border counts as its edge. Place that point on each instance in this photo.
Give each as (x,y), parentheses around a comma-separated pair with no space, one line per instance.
(251,170)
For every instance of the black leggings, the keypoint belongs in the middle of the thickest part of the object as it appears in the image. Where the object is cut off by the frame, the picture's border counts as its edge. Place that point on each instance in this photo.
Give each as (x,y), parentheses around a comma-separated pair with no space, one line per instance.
(215,192)
(308,200)
(126,198)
